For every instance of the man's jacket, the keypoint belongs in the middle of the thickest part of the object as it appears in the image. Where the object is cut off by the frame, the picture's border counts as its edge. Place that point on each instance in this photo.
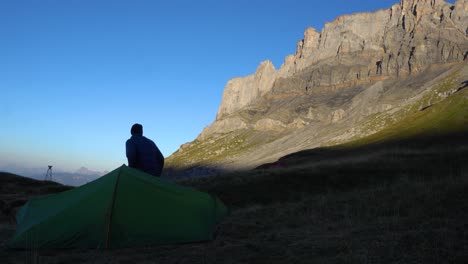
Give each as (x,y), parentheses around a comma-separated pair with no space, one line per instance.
(143,154)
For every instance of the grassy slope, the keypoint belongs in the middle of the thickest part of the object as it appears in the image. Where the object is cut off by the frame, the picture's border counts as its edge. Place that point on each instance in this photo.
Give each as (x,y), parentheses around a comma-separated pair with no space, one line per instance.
(395,196)
(16,190)
(447,116)
(427,143)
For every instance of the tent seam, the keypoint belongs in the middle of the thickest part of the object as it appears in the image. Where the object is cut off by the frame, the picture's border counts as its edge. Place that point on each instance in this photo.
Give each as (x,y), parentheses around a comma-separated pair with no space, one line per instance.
(112,208)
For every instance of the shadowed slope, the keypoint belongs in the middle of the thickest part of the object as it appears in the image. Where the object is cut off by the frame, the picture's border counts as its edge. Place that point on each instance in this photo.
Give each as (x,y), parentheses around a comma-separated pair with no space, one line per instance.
(15,190)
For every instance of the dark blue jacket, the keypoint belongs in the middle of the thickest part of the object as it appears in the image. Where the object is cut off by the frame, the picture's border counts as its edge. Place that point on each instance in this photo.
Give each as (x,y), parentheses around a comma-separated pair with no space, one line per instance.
(144,155)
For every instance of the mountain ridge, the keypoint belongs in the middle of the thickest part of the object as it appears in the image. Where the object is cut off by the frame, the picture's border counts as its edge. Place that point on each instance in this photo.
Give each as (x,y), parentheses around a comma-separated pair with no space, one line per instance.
(372,35)
(360,69)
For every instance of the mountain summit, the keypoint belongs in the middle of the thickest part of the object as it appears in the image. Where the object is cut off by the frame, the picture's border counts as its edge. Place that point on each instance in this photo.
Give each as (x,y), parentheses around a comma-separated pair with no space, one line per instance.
(399,41)
(362,73)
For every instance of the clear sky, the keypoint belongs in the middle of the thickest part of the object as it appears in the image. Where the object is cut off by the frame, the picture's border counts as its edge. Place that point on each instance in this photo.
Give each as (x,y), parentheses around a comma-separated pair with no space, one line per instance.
(76,74)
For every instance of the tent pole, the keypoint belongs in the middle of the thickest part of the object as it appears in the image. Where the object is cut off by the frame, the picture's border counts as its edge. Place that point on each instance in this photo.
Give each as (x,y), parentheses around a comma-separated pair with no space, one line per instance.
(112,209)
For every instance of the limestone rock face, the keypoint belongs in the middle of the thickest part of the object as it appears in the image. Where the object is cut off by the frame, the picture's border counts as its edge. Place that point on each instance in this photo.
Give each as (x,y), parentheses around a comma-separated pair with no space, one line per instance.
(458,15)
(237,94)
(264,77)
(309,44)
(240,92)
(401,40)
(288,67)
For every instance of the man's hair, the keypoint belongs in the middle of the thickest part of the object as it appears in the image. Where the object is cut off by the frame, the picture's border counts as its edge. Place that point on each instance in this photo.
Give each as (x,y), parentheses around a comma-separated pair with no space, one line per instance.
(137,129)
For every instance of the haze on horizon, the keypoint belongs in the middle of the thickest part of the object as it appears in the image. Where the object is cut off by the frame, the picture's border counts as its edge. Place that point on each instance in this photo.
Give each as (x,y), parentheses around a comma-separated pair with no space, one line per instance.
(76,75)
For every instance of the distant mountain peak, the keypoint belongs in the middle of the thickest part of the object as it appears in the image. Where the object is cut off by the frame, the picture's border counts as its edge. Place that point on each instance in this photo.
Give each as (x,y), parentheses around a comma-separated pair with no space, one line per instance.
(83,170)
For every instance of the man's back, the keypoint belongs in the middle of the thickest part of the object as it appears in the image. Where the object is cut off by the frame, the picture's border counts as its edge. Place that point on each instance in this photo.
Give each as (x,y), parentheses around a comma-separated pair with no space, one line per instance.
(143,154)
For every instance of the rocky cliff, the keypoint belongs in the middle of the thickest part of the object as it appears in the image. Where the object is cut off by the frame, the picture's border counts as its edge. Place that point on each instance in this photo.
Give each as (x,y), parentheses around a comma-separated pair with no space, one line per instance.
(401,40)
(359,65)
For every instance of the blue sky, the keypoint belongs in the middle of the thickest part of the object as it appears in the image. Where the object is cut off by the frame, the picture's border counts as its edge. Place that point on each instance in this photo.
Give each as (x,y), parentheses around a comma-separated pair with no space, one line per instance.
(76,74)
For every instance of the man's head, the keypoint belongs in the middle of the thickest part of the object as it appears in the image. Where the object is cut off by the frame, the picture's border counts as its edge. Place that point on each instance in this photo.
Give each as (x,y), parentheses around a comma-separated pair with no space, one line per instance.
(137,129)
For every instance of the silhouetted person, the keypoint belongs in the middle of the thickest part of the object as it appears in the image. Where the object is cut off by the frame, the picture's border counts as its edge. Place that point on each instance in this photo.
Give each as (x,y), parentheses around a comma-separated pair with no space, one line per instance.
(142,153)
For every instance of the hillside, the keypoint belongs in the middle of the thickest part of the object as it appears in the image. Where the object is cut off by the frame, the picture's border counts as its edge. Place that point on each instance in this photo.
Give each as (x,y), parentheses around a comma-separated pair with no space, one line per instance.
(398,195)
(392,201)
(392,108)
(16,190)
(362,73)
(386,198)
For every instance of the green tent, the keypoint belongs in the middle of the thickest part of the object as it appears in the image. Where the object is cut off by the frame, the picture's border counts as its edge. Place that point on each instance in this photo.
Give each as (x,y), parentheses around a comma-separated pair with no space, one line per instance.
(124,208)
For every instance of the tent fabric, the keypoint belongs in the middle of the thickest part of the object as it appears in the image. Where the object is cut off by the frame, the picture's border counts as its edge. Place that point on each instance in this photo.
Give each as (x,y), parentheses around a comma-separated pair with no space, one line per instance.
(124,208)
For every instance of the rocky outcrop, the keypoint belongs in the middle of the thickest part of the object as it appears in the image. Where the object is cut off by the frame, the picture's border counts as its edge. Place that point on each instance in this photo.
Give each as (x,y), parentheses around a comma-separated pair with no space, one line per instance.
(240,92)
(337,115)
(398,41)
(223,126)
(308,45)
(269,124)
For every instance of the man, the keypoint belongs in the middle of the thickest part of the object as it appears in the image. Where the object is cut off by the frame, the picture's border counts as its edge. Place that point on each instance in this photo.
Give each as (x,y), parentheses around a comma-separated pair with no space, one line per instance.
(142,153)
